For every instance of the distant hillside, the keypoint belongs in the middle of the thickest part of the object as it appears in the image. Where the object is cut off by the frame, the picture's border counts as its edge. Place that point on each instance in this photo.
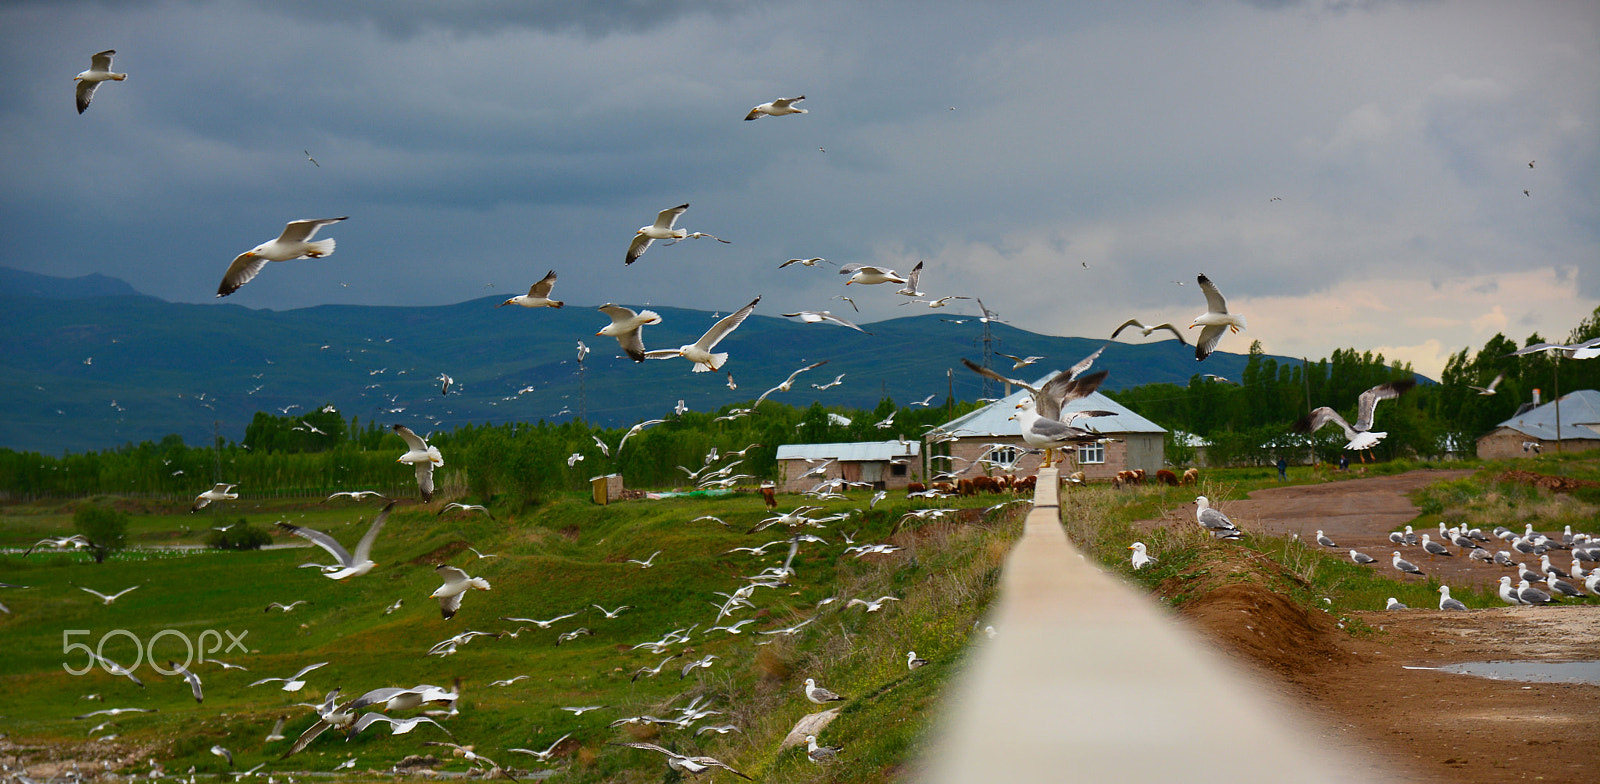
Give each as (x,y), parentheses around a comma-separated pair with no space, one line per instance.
(79,374)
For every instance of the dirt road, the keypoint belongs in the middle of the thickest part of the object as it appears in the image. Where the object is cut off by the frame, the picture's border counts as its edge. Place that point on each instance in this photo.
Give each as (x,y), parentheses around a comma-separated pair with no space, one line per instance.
(1421,725)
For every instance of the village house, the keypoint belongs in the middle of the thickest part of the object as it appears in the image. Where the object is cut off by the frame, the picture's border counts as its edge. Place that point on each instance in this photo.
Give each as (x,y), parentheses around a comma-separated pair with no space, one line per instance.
(886,465)
(1534,430)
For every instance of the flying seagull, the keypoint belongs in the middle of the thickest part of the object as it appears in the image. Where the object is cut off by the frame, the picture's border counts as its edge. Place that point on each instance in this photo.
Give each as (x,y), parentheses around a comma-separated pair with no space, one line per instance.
(910,289)
(294,243)
(221,492)
(538,295)
(1215,321)
(99,71)
(1040,415)
(107,600)
(1361,436)
(625,325)
(788,383)
(456,583)
(1488,390)
(867,274)
(423,457)
(293,682)
(823,316)
(662,229)
(350,565)
(811,262)
(1147,330)
(681,763)
(699,352)
(777,108)
(191,678)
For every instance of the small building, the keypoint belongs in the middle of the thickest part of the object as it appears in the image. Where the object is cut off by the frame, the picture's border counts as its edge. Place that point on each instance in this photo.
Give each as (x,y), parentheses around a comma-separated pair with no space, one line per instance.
(1131,441)
(886,465)
(1536,428)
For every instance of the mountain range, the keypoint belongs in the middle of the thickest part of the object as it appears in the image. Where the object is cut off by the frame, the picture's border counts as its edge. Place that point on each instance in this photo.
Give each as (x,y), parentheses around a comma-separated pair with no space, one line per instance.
(89,363)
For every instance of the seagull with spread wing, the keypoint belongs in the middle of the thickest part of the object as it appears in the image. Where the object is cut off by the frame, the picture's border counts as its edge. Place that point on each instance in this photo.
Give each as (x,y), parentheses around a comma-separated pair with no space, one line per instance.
(421,456)
(294,243)
(1215,321)
(1144,330)
(788,383)
(777,108)
(1040,415)
(350,564)
(100,71)
(699,352)
(538,295)
(1361,436)
(823,316)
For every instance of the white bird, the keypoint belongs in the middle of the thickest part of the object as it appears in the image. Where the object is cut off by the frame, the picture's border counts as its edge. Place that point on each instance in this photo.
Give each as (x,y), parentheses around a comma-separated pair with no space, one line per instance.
(221,492)
(699,352)
(625,325)
(192,679)
(1147,330)
(293,682)
(99,71)
(611,614)
(1394,604)
(1434,548)
(1141,558)
(681,763)
(646,563)
(456,583)
(910,289)
(107,600)
(422,457)
(223,753)
(539,623)
(1531,595)
(1361,558)
(543,756)
(1406,566)
(636,430)
(1508,594)
(1361,436)
(75,542)
(662,229)
(867,275)
(1447,603)
(788,383)
(538,295)
(294,243)
(823,316)
(1215,321)
(350,564)
(819,695)
(1040,416)
(1211,519)
(820,754)
(284,607)
(574,458)
(1323,540)
(356,495)
(912,662)
(396,726)
(277,730)
(777,108)
(454,505)
(1488,390)
(1019,363)
(811,262)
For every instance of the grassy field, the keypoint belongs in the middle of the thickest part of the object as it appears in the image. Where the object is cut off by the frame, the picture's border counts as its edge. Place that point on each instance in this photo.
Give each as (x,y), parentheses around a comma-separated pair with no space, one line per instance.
(570,554)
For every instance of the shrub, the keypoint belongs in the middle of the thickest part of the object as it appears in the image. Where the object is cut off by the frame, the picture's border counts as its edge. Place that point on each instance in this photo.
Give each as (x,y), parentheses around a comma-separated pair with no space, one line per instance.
(239,536)
(106,527)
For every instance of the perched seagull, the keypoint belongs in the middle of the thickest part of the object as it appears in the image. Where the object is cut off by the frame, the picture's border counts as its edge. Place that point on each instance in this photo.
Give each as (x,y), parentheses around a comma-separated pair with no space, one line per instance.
(777,108)
(811,262)
(1147,330)
(191,678)
(1447,603)
(1434,548)
(819,695)
(421,456)
(699,352)
(680,763)
(1323,540)
(456,583)
(1141,558)
(910,289)
(1361,436)
(293,682)
(1488,390)
(1406,566)
(646,563)
(625,325)
(221,492)
(356,495)
(294,243)
(538,295)
(99,71)
(350,565)
(544,756)
(107,600)
(1022,362)
(284,607)
(822,317)
(660,230)
(1531,595)
(867,274)
(1212,520)
(1508,594)
(1215,320)
(1394,604)
(1040,415)
(820,754)
(912,662)
(1361,558)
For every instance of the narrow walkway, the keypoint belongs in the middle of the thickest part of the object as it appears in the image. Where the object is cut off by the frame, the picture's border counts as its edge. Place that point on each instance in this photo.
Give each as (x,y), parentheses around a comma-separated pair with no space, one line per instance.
(1090,680)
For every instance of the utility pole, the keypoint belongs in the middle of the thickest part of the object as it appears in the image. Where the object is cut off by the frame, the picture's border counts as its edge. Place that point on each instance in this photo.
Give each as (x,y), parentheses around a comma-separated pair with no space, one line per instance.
(583,397)
(216,449)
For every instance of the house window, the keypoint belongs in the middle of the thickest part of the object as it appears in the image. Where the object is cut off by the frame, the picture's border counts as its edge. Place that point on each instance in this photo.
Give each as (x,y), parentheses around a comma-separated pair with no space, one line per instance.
(1004,455)
(897,469)
(1091,453)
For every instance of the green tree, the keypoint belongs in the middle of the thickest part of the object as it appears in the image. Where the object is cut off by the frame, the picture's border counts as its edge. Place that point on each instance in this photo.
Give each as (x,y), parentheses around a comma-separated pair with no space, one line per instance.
(107,528)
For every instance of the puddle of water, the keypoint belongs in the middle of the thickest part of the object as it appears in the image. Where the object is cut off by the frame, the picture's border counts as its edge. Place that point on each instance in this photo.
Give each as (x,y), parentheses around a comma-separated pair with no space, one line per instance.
(1535,672)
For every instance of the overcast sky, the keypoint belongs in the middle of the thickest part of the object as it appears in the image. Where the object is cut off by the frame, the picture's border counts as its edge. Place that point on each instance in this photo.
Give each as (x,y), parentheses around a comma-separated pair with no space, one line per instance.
(1350,174)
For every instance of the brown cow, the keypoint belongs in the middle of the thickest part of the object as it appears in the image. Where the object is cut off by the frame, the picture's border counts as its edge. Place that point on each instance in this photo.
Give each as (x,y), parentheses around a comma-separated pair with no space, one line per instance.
(1191,476)
(915,487)
(767,494)
(1167,478)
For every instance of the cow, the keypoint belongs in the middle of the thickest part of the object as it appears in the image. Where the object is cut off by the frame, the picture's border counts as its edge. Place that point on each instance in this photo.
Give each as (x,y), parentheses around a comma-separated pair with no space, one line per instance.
(1167,478)
(1191,477)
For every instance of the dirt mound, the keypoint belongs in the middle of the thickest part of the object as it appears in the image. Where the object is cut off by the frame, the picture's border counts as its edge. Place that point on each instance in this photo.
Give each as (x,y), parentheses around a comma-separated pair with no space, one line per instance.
(1555,484)
(439,554)
(1265,627)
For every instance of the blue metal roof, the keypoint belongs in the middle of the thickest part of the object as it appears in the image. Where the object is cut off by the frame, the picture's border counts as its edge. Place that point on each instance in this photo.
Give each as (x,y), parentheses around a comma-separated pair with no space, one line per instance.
(995,418)
(1580,418)
(866,451)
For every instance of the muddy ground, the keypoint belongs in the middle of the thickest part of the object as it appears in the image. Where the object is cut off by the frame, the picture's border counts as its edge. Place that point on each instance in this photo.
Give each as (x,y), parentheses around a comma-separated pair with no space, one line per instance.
(1416,725)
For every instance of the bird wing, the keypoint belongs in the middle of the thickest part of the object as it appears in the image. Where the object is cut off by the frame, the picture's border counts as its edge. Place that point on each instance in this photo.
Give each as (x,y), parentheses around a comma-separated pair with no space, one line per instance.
(322,540)
(86,94)
(1084,364)
(451,575)
(93,591)
(194,683)
(424,482)
(667,217)
(1065,388)
(364,547)
(243,269)
(1209,337)
(1114,333)
(1173,330)
(728,324)
(448,605)
(1312,422)
(911,279)
(303,230)
(1214,301)
(781,103)
(1369,400)
(637,248)
(544,286)
(413,440)
(983,371)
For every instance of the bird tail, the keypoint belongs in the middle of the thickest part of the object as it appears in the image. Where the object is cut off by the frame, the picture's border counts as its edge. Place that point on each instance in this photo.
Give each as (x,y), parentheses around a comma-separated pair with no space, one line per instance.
(556,303)
(322,247)
(717,361)
(434,456)
(479,583)
(650,316)
(1239,322)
